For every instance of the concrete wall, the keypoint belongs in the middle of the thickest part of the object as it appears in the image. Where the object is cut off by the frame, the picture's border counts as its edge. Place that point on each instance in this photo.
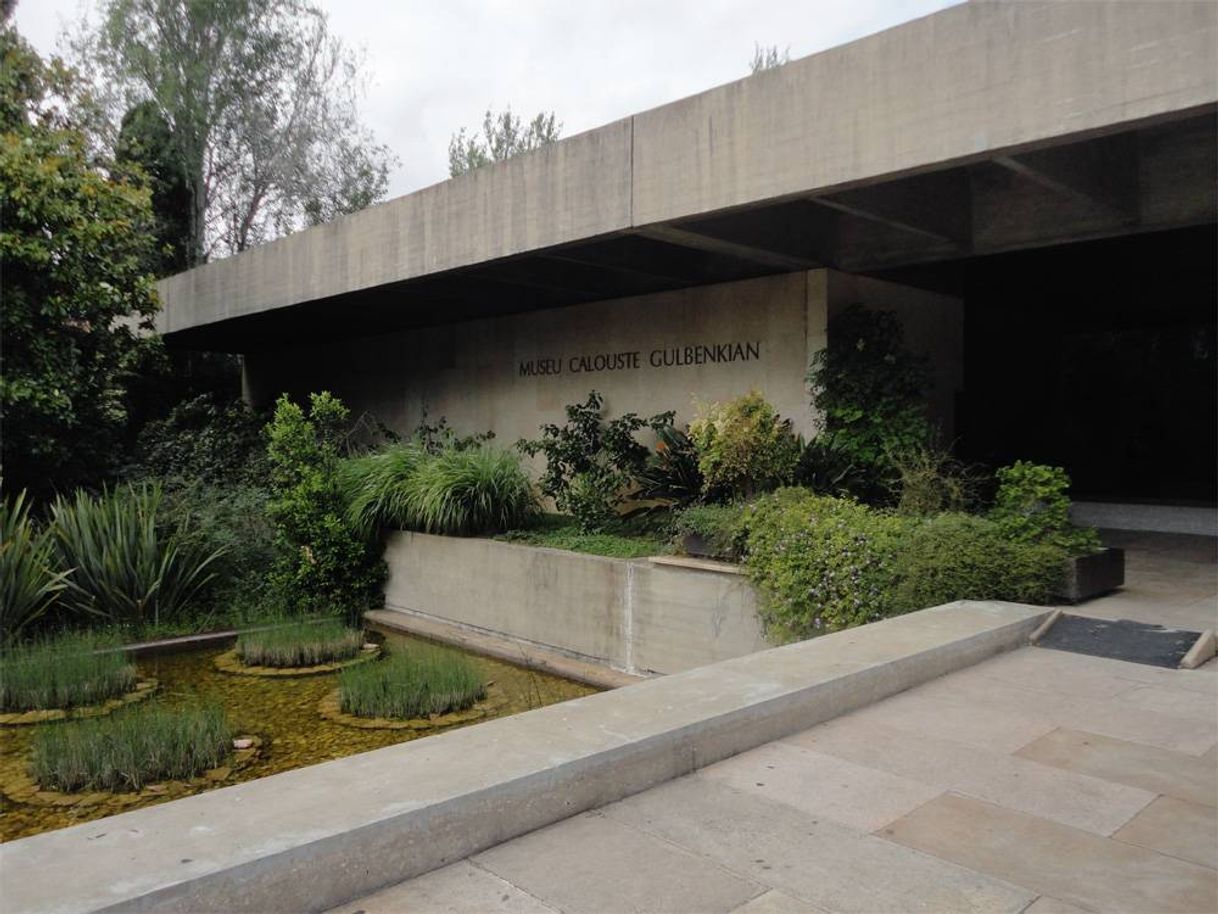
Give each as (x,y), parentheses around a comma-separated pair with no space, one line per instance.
(631,615)
(470,373)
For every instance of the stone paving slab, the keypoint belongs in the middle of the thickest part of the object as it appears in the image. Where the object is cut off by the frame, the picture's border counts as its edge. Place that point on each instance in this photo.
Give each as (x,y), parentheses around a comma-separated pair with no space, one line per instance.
(1017,783)
(1177,702)
(461,888)
(1067,863)
(776,902)
(1178,828)
(1157,770)
(829,865)
(1046,904)
(592,864)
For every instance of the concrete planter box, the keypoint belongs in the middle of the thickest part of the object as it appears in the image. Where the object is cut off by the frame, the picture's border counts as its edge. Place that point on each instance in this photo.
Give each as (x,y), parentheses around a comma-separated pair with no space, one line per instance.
(1089,576)
(700,546)
(633,615)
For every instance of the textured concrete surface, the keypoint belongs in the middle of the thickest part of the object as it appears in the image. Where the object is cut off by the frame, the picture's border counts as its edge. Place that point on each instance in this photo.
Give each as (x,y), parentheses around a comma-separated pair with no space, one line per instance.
(316,837)
(921,803)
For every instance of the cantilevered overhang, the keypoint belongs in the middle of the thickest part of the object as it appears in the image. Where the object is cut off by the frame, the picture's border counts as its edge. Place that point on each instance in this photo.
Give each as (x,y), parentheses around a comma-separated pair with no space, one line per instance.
(987,127)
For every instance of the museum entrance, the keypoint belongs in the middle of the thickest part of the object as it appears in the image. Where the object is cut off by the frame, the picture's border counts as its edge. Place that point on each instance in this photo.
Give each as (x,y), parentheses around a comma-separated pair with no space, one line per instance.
(1099,357)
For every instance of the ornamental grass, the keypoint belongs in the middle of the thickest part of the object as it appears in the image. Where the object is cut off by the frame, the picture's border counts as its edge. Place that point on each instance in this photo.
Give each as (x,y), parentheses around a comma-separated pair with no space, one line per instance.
(130,749)
(65,672)
(299,644)
(419,683)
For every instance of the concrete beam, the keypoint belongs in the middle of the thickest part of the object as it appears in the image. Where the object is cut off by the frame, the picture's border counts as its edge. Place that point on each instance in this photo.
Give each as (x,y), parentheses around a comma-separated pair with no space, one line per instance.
(1102,172)
(937,205)
(687,238)
(316,837)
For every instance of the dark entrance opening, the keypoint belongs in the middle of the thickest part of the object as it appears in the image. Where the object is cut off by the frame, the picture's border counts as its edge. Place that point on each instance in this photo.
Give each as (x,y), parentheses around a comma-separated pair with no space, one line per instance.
(1099,357)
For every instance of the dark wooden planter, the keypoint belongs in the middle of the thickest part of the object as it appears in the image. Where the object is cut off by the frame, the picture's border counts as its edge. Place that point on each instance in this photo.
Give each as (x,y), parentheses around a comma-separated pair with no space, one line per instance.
(1090,576)
(701,547)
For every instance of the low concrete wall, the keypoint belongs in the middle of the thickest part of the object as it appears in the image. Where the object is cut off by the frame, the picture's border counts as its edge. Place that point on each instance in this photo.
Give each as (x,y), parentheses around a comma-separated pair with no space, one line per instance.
(633,615)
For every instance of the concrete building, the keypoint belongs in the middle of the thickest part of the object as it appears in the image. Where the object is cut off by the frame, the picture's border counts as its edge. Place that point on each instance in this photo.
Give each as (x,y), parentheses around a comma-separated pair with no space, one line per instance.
(1030,185)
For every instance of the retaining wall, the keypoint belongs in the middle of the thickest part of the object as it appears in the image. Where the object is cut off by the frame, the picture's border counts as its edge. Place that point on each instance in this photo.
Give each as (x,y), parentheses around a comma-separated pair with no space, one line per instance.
(635,615)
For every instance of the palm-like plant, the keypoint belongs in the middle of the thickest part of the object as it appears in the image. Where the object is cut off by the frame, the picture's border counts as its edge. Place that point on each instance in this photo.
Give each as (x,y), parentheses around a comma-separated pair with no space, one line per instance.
(29,582)
(123,567)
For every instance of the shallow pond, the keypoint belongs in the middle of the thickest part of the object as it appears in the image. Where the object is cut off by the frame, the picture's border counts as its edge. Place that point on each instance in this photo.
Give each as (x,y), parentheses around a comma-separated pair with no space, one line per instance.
(282,713)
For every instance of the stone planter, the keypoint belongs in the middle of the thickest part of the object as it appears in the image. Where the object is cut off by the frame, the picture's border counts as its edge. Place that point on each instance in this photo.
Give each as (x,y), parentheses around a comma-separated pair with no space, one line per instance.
(703,547)
(1090,576)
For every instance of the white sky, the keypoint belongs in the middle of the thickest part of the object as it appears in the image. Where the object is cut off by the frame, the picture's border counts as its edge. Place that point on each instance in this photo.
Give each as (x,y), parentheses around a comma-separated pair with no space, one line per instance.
(436,66)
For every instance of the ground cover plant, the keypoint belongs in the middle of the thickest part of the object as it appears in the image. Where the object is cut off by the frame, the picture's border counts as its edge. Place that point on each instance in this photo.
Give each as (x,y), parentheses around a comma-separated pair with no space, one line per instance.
(626,538)
(68,671)
(416,683)
(130,749)
(301,643)
(123,567)
(721,526)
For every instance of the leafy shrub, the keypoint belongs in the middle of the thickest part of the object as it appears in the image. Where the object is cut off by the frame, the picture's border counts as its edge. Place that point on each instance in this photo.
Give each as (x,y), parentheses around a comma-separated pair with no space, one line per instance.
(326,564)
(300,643)
(720,525)
(65,672)
(122,566)
(671,474)
(202,440)
(434,437)
(870,393)
(964,557)
(743,447)
(929,480)
(827,468)
(132,748)
(590,463)
(821,563)
(418,683)
(30,581)
(1032,507)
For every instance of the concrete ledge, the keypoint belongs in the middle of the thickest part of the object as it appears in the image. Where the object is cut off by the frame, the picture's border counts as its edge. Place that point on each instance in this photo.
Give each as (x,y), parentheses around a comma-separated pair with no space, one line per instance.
(310,839)
(697,564)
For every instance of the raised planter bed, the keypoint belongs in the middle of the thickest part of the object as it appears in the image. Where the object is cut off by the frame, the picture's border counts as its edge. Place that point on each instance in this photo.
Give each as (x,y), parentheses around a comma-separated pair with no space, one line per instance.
(1089,576)
(703,547)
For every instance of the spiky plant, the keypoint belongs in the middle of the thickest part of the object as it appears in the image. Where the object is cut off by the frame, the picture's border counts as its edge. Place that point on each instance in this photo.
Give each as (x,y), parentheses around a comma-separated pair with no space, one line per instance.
(30,581)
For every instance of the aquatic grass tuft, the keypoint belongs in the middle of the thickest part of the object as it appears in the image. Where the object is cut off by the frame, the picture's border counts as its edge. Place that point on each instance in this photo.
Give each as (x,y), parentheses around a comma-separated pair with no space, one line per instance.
(127,750)
(420,682)
(64,672)
(297,644)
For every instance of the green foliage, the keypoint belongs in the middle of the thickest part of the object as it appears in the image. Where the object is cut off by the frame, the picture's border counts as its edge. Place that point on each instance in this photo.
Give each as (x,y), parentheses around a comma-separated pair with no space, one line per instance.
(474,491)
(929,481)
(503,135)
(263,104)
(326,564)
(65,672)
(202,440)
(722,526)
(590,463)
(822,563)
(671,474)
(1032,507)
(743,448)
(438,436)
(870,393)
(626,541)
(301,643)
(418,683)
(146,145)
(74,243)
(30,579)
(828,468)
(123,567)
(130,749)
(964,557)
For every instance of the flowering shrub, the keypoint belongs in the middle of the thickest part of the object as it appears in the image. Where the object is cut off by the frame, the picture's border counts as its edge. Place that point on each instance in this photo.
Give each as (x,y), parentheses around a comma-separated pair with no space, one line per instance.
(821,563)
(743,448)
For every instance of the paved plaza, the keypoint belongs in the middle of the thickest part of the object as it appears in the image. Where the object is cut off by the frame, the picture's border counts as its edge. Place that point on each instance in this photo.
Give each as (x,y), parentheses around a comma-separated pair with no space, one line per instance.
(1037,781)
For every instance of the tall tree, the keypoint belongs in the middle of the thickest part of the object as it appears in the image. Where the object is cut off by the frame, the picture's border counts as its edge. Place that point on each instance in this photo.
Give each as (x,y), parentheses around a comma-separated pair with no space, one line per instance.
(74,241)
(503,135)
(146,142)
(768,58)
(262,106)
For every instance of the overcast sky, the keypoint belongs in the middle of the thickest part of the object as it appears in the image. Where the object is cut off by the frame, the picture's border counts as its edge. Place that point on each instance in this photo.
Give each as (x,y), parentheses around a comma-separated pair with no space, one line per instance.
(435,66)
